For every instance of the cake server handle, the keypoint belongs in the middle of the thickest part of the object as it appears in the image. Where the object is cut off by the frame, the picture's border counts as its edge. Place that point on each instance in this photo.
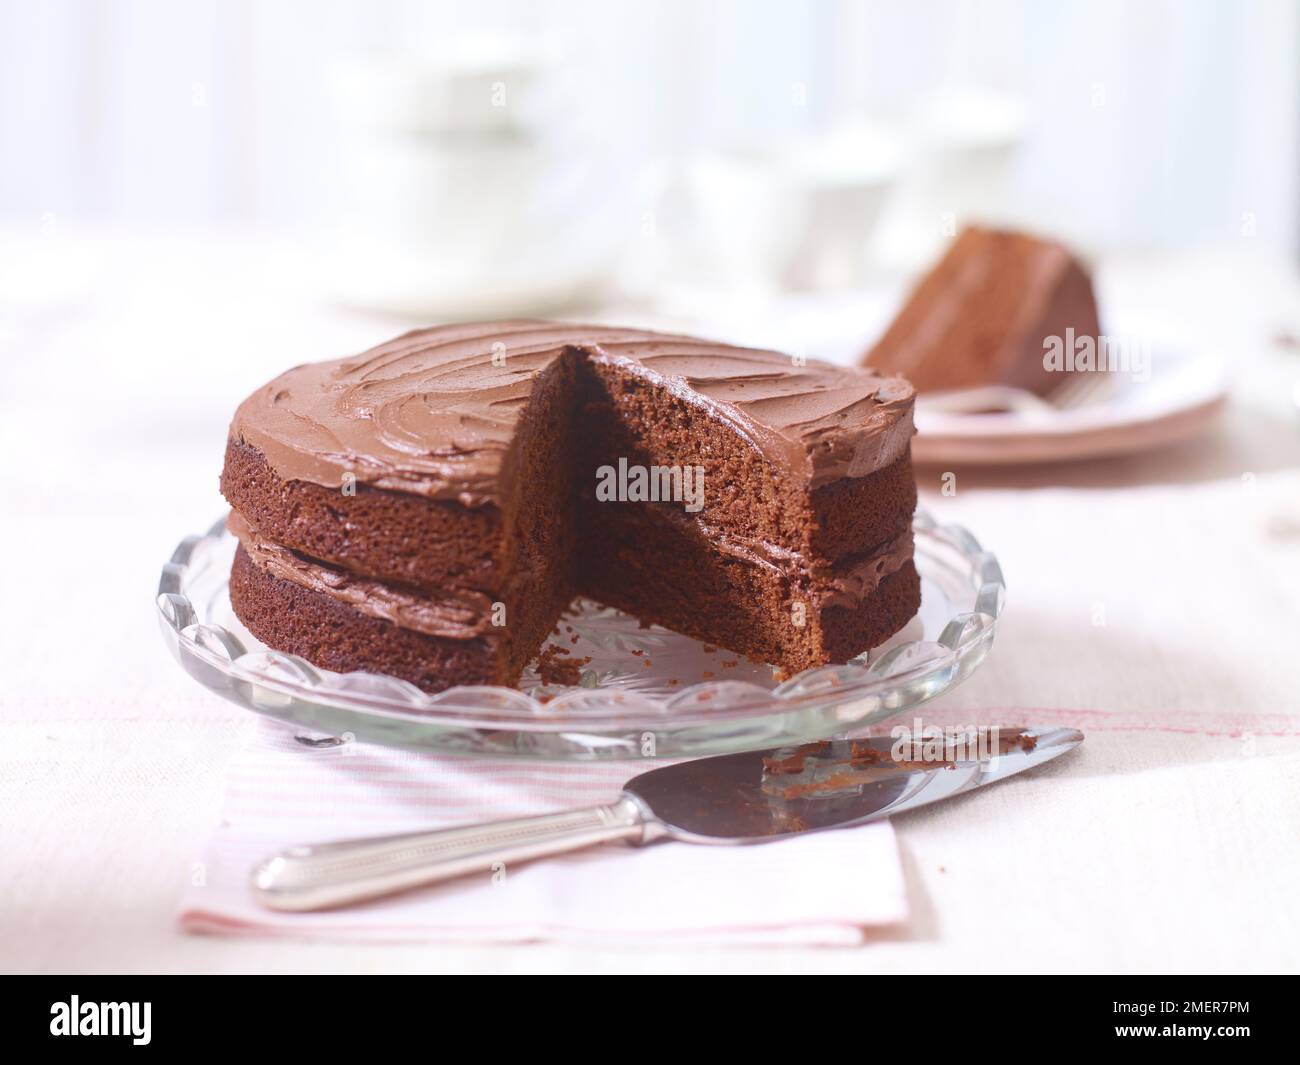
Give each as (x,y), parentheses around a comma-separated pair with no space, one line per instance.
(321,876)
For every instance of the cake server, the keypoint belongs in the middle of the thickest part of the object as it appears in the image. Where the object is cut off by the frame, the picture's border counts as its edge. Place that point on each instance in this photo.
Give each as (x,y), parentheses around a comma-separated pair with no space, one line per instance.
(753,797)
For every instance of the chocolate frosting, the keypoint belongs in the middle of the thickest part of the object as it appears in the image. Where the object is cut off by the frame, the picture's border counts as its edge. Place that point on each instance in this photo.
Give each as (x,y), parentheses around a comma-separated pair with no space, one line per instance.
(464,615)
(846,583)
(455,615)
(860,576)
(433,412)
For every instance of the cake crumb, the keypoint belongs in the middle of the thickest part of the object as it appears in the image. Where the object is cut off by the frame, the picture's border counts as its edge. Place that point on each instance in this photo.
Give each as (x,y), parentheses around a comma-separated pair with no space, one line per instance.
(709,649)
(553,668)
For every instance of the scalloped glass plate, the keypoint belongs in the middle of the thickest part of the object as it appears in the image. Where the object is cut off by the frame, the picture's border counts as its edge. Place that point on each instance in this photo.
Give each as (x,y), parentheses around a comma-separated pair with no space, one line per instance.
(645,692)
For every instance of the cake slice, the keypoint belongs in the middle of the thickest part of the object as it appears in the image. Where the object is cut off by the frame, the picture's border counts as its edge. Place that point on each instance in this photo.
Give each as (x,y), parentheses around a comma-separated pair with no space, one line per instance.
(987,313)
(429,509)
(801,554)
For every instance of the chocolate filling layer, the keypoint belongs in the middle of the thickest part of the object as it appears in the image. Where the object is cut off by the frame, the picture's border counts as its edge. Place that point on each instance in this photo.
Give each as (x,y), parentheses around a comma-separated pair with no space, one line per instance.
(465,615)
(459,616)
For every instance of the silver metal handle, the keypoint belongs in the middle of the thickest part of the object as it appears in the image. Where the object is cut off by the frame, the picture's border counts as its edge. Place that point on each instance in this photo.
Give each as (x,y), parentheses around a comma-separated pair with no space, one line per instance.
(335,874)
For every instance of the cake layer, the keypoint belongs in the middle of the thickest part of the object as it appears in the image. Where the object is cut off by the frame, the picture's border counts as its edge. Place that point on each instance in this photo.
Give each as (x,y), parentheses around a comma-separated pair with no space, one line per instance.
(856,513)
(668,570)
(391,536)
(433,547)
(336,636)
(454,615)
(848,631)
(984,313)
(654,542)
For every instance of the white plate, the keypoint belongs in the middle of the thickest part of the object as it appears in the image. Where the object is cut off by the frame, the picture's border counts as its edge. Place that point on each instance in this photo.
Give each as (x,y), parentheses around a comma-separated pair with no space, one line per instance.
(1179,397)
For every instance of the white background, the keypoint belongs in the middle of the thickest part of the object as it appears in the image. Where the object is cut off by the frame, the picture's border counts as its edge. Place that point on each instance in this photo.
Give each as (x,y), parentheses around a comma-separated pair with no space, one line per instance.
(1159,123)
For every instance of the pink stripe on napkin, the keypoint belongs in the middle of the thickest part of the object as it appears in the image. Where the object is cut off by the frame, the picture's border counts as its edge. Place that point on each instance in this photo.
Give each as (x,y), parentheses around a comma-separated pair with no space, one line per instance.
(821,889)
(830,888)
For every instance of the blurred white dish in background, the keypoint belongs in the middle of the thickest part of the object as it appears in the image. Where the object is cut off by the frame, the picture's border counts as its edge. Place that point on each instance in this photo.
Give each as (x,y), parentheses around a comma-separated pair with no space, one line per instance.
(743,220)
(472,83)
(841,181)
(457,195)
(797,215)
(962,142)
(969,119)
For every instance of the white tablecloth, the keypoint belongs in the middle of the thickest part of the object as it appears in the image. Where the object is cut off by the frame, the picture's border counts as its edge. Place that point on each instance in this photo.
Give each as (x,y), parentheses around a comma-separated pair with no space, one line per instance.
(1162,592)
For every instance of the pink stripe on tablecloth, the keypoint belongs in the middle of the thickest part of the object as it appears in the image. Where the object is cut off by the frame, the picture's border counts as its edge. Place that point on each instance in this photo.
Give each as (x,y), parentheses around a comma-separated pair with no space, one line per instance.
(1224,723)
(824,890)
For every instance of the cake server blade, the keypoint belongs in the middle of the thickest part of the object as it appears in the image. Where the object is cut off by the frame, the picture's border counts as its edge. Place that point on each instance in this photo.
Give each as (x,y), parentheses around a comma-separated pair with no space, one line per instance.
(752,797)
(743,798)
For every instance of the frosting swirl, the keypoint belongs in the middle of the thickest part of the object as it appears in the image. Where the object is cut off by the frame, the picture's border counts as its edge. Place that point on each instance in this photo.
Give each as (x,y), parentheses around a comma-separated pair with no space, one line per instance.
(433,412)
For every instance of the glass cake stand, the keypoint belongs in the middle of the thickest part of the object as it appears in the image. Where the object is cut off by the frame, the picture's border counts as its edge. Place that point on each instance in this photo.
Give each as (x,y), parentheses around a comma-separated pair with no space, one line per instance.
(644,692)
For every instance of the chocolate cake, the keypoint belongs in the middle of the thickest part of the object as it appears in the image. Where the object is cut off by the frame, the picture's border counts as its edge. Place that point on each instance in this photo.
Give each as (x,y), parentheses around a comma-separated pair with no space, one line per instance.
(984,315)
(429,508)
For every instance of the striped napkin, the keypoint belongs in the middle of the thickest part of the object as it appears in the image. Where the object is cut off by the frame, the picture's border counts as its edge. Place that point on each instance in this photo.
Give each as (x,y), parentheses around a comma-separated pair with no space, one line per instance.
(827,888)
